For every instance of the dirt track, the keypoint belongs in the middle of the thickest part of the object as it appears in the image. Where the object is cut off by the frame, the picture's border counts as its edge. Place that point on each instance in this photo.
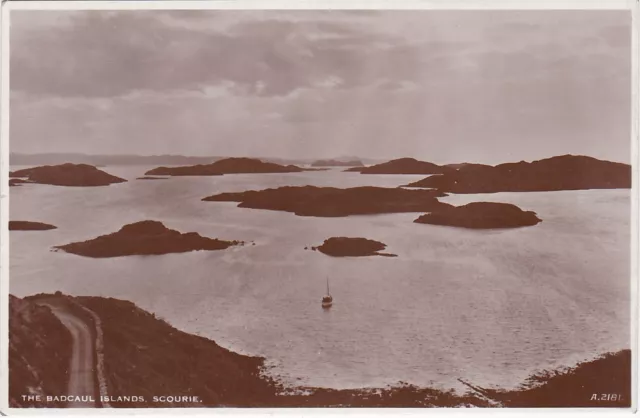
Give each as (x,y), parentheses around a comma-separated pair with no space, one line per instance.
(82,367)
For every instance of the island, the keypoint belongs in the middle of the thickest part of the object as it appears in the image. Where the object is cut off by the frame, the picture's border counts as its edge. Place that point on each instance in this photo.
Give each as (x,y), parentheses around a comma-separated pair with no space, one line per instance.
(403,166)
(458,166)
(335,202)
(145,238)
(144,355)
(151,178)
(226,166)
(481,215)
(566,172)
(352,247)
(76,175)
(29,226)
(337,163)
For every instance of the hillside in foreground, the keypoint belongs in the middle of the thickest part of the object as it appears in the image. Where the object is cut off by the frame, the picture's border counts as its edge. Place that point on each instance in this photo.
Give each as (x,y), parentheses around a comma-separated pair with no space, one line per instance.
(144,356)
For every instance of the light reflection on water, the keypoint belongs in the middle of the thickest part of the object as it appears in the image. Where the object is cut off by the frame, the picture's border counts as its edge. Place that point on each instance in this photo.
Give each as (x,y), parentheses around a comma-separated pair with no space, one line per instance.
(489,306)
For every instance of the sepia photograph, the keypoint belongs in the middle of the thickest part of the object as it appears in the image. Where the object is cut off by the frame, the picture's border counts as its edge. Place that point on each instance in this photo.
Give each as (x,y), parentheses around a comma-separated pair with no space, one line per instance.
(296,208)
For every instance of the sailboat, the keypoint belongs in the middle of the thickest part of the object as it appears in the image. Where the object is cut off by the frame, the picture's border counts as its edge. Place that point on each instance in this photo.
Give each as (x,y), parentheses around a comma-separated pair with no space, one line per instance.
(327,300)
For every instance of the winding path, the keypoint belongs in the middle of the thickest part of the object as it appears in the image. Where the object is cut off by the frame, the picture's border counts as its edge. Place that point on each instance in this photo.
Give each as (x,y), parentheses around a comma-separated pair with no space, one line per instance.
(82,368)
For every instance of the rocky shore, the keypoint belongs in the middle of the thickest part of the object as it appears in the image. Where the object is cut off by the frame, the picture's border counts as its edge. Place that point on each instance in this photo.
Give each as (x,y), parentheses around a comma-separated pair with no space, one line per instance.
(18,182)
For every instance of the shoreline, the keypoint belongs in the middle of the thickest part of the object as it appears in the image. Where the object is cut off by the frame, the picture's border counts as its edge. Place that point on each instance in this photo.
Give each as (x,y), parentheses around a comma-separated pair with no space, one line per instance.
(145,356)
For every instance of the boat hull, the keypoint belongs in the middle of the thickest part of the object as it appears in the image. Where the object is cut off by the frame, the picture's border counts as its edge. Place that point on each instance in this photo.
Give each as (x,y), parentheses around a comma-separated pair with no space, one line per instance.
(326,305)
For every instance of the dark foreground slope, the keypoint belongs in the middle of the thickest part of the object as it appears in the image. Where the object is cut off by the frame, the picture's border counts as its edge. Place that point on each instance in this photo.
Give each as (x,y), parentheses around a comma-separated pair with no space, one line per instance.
(77,175)
(603,382)
(145,238)
(226,166)
(144,357)
(567,172)
(39,353)
(335,202)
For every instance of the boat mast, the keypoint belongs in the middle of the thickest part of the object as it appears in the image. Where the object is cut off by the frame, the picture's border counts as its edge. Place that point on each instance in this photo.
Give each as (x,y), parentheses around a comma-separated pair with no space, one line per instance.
(328,294)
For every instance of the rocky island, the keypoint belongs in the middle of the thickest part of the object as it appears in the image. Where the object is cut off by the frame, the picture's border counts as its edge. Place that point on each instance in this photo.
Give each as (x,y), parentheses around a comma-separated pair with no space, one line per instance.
(76,175)
(145,238)
(481,215)
(337,163)
(225,166)
(566,172)
(29,226)
(352,247)
(403,166)
(335,202)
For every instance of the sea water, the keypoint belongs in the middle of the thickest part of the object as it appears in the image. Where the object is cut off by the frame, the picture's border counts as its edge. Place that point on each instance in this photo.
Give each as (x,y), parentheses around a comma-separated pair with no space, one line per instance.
(489,306)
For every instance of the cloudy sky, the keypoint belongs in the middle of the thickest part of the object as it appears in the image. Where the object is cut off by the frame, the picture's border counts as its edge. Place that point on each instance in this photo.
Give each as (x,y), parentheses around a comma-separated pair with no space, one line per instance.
(443,86)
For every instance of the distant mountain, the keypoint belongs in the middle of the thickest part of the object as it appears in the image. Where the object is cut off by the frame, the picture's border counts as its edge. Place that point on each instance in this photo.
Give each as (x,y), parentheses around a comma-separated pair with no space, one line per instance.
(337,163)
(164,159)
(103,160)
(465,165)
(226,166)
(565,172)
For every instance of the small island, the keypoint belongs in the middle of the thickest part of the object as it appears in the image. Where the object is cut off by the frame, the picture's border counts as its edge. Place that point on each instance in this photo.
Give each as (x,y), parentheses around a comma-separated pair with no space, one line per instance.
(145,238)
(225,166)
(75,175)
(403,166)
(337,163)
(29,226)
(566,172)
(151,178)
(335,202)
(481,215)
(352,247)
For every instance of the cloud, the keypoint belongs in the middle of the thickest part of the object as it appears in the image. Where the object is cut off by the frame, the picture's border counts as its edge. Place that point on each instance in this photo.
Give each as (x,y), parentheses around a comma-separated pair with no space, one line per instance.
(109,54)
(436,85)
